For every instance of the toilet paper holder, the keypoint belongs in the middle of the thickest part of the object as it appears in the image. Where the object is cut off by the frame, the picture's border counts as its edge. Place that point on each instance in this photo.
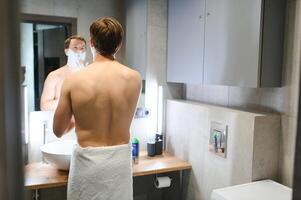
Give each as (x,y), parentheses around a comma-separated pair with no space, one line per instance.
(162,181)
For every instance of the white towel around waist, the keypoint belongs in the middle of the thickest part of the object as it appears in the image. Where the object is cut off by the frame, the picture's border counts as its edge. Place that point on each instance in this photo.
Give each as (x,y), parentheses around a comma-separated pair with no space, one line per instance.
(101,173)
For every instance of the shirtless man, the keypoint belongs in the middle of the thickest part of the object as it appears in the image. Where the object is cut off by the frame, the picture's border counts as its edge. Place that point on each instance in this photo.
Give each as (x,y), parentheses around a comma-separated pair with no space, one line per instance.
(102,97)
(75,49)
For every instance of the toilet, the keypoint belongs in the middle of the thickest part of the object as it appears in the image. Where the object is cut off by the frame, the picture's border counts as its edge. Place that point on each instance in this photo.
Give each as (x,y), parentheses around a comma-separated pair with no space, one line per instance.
(259,190)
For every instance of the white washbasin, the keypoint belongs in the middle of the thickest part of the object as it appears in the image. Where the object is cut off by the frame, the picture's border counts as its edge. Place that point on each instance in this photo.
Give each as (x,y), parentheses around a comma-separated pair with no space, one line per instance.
(59,153)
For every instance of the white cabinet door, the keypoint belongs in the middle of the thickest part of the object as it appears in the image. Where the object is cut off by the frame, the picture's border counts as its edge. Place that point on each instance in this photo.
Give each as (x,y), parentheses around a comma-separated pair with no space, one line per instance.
(185,41)
(232,42)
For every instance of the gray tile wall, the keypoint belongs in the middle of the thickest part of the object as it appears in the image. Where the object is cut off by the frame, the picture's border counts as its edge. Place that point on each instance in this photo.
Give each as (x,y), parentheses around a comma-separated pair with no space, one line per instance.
(252,145)
(156,60)
(283,100)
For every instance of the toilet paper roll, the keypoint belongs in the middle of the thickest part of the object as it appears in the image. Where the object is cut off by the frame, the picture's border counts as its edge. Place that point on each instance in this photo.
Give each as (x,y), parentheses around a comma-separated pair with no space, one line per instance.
(162,182)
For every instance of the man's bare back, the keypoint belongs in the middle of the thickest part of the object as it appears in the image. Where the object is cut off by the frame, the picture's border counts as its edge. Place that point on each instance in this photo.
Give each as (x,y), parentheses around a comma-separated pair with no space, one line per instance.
(103,99)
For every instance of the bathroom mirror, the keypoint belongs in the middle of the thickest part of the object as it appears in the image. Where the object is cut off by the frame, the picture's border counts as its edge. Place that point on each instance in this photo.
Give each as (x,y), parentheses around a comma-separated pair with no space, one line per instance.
(44,26)
(42,49)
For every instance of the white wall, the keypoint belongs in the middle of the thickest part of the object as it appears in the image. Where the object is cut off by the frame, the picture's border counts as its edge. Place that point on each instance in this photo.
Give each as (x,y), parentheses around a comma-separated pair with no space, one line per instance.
(27,61)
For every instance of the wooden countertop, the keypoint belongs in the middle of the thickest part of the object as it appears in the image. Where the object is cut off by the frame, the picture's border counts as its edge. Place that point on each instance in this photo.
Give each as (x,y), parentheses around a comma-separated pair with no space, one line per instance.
(42,175)
(158,164)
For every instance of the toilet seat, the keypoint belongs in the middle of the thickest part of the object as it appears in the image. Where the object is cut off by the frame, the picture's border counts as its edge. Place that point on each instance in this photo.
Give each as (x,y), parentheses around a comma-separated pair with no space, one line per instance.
(259,190)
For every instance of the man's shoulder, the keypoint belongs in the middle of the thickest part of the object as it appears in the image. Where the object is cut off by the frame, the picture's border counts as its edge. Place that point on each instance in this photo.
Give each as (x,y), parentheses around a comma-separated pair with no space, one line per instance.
(57,73)
(133,78)
(131,73)
(75,77)
(70,82)
(52,76)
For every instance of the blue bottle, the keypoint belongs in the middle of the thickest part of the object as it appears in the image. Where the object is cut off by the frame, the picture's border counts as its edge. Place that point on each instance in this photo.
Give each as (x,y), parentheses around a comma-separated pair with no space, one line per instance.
(135,148)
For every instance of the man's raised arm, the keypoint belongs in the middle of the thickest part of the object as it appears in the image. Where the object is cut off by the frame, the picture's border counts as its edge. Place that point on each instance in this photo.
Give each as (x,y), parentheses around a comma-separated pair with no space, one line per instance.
(48,101)
(62,121)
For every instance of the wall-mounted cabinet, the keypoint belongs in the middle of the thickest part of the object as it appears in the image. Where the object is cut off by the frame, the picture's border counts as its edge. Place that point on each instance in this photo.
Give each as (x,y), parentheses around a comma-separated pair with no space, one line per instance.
(226,42)
(185,41)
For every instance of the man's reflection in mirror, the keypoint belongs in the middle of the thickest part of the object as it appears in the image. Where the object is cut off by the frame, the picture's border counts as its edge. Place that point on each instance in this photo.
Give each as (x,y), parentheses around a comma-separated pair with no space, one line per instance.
(75,50)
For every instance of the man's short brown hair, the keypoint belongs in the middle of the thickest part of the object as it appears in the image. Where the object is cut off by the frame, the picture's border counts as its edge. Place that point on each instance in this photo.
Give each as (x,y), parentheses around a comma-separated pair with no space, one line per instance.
(68,40)
(106,35)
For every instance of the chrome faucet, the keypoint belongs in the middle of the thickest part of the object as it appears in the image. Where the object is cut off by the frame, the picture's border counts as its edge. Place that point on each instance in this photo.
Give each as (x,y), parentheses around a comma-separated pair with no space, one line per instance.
(44,131)
(44,137)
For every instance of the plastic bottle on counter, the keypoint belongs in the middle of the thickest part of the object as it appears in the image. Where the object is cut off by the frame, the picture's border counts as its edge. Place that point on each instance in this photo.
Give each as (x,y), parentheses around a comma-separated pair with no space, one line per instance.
(135,148)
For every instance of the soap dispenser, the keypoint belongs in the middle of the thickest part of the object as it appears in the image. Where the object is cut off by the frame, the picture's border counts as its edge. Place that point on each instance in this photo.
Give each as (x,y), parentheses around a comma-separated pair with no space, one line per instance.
(159,144)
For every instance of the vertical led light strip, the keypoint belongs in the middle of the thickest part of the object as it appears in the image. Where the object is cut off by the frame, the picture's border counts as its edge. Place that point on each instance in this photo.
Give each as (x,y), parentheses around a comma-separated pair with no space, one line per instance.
(160,110)
(25,101)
